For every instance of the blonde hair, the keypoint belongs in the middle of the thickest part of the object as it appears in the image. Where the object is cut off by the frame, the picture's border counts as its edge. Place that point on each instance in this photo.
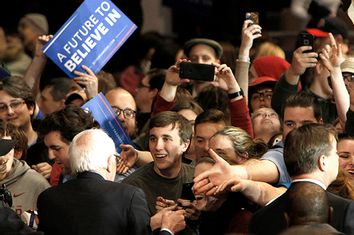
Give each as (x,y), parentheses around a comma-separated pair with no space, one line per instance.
(269,48)
(242,143)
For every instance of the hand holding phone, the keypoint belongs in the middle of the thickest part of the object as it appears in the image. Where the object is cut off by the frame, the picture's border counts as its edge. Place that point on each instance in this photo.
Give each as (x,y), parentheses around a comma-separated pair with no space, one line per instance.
(253,16)
(305,39)
(195,71)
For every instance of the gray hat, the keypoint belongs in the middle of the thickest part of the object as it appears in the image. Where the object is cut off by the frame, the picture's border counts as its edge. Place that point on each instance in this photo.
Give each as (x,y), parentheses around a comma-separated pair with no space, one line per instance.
(6,146)
(195,41)
(348,65)
(37,20)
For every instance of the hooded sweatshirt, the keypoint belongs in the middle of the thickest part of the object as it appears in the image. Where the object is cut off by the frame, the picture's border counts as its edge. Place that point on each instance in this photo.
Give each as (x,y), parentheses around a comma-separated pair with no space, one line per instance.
(25,184)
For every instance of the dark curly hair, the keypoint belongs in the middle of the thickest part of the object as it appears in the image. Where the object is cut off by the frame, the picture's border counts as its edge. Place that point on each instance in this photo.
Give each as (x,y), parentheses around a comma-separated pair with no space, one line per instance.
(68,122)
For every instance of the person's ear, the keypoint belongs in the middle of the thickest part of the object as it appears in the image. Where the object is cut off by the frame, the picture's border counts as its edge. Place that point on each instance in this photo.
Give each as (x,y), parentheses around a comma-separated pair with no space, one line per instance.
(153,92)
(185,145)
(111,161)
(18,154)
(321,162)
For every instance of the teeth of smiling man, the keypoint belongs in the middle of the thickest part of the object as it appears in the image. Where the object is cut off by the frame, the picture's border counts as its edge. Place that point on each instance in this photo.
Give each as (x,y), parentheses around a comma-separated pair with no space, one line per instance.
(160,155)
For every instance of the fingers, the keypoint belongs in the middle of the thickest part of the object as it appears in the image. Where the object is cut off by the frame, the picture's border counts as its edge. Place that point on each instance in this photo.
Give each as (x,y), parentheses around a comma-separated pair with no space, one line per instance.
(88,70)
(333,42)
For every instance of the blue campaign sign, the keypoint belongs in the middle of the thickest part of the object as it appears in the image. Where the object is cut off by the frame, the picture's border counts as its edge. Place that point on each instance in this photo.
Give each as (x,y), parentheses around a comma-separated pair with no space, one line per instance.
(89,37)
(102,112)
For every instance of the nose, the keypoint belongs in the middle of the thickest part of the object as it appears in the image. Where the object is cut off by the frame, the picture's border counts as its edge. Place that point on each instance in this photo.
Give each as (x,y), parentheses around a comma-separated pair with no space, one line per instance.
(10,110)
(51,154)
(159,144)
(121,117)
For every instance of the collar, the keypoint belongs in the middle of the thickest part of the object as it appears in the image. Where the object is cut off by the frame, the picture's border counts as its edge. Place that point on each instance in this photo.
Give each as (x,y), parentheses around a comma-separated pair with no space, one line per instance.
(312,181)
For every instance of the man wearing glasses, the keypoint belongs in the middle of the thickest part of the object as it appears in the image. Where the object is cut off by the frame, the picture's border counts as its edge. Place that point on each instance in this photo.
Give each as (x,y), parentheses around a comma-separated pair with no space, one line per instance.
(17,105)
(124,106)
(260,92)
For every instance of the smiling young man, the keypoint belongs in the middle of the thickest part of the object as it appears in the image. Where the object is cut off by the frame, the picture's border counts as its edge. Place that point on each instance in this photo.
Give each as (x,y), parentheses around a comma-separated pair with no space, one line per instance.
(169,137)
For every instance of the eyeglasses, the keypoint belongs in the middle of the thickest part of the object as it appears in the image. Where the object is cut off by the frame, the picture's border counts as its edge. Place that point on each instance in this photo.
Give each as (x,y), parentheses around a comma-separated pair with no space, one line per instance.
(128,113)
(13,105)
(267,94)
(348,76)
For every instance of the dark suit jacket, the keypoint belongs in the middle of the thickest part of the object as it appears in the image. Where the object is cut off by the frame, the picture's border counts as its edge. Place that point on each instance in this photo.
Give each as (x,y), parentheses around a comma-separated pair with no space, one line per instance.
(92,205)
(270,219)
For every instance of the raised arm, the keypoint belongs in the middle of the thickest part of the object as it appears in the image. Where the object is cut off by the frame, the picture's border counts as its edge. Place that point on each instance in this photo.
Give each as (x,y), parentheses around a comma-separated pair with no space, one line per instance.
(34,71)
(237,103)
(287,84)
(165,100)
(332,57)
(249,33)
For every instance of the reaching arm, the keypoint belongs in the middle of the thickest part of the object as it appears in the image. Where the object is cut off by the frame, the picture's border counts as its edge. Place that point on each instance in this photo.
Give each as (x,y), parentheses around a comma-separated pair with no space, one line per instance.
(209,181)
(259,192)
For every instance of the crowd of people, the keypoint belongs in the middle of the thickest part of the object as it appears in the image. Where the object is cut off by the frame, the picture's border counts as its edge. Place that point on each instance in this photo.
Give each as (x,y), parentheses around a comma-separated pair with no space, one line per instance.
(267,147)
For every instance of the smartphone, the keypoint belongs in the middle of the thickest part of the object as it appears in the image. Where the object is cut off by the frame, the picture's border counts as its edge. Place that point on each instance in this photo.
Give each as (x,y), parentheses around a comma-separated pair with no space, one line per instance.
(254,16)
(305,39)
(195,71)
(187,192)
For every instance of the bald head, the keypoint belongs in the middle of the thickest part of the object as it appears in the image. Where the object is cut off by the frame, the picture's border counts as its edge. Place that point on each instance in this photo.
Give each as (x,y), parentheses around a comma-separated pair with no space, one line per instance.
(121,100)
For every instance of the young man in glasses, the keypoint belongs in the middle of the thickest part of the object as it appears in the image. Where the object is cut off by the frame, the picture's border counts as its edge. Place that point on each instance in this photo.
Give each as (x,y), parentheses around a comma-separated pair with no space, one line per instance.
(17,105)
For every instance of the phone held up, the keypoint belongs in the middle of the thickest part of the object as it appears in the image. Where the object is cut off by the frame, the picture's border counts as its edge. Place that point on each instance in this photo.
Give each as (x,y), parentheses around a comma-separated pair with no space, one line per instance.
(253,16)
(195,71)
(305,39)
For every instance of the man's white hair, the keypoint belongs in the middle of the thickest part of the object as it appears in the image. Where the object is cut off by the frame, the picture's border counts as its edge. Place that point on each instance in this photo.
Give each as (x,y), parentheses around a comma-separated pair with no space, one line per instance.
(90,150)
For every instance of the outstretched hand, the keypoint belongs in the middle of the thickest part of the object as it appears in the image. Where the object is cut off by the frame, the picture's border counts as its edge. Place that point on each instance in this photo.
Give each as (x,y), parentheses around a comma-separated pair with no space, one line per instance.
(128,158)
(209,181)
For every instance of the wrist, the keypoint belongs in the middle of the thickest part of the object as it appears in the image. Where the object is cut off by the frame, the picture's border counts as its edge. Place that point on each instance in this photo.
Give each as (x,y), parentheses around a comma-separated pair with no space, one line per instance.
(236,94)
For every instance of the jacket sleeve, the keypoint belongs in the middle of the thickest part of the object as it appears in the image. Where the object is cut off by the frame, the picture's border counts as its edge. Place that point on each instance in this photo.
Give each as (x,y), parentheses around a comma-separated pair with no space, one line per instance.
(240,116)
(281,92)
(139,214)
(160,105)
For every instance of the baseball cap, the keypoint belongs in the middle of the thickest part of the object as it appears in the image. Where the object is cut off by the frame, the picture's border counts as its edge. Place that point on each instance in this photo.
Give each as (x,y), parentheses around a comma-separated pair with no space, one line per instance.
(195,41)
(6,146)
(317,32)
(263,80)
(348,65)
